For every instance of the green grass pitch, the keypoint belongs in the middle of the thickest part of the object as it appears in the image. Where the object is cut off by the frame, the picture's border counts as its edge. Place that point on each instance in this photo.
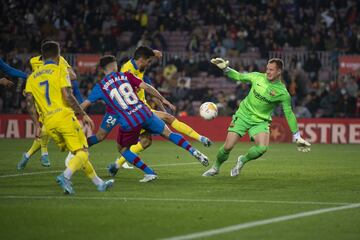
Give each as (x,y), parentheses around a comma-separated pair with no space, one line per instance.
(281,183)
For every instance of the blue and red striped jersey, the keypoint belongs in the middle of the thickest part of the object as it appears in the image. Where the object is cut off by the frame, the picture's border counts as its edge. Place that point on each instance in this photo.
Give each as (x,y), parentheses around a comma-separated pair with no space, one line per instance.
(118,90)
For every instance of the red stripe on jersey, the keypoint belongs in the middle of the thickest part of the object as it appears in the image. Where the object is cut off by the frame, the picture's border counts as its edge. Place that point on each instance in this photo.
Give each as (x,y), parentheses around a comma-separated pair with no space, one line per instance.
(138,112)
(114,106)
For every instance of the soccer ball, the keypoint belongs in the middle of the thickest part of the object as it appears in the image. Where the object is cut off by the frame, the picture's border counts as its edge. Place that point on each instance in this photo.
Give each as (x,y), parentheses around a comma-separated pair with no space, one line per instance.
(208,111)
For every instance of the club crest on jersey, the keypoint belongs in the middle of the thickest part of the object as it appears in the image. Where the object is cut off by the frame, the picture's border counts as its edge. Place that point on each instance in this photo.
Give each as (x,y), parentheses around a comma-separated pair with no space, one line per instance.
(273,93)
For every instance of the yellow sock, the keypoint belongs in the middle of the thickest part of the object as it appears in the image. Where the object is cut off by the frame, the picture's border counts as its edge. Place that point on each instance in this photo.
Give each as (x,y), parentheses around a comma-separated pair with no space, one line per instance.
(137,148)
(34,147)
(89,170)
(185,129)
(44,141)
(78,161)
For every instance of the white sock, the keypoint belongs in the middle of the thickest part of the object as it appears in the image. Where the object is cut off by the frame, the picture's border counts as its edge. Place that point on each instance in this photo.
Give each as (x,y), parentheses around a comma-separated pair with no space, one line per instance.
(97,181)
(27,155)
(117,165)
(44,154)
(68,173)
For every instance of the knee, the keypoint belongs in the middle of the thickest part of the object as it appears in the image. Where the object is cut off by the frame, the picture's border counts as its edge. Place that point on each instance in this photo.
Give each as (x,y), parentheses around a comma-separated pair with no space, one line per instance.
(145,142)
(262,149)
(168,118)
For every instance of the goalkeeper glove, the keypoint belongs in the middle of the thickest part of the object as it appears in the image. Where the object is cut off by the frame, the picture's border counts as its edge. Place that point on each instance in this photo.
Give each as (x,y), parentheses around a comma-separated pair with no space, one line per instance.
(302,145)
(220,63)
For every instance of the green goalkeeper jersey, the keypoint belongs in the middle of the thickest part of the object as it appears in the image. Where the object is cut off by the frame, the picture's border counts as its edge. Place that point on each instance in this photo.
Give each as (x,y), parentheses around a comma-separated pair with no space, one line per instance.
(263,97)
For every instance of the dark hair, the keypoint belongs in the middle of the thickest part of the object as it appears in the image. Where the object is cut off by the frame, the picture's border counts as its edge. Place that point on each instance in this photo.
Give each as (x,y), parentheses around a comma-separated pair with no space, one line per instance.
(105,60)
(279,63)
(143,52)
(50,49)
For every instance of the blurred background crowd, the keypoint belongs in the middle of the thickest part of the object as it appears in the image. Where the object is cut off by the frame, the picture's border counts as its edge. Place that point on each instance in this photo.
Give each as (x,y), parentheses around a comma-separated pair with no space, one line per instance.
(309,35)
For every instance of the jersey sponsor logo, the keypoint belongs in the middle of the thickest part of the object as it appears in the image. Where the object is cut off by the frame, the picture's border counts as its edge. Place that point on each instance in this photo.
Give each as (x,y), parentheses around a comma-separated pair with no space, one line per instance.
(260,97)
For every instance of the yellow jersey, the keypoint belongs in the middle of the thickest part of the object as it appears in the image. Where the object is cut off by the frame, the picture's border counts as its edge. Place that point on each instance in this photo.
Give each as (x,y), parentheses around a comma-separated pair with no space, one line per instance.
(130,66)
(45,84)
(37,62)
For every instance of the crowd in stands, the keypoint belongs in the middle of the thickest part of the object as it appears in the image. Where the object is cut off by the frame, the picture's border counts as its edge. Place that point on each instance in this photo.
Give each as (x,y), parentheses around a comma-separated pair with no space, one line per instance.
(193,32)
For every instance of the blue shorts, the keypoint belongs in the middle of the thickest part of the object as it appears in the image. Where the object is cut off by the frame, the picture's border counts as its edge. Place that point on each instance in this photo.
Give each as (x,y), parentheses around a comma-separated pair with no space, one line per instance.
(109,122)
(154,125)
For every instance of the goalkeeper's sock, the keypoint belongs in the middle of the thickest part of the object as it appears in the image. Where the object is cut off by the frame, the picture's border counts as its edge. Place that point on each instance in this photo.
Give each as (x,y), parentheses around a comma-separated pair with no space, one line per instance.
(179,140)
(185,129)
(136,148)
(77,162)
(34,148)
(221,157)
(137,162)
(254,153)
(92,140)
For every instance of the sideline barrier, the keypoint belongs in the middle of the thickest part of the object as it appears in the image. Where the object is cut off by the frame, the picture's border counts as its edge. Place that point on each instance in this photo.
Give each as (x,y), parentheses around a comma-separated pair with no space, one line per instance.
(319,130)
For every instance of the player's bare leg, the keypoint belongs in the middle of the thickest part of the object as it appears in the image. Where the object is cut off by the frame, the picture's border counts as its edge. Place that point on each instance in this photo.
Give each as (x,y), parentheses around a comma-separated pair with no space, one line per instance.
(182,127)
(179,140)
(223,154)
(261,146)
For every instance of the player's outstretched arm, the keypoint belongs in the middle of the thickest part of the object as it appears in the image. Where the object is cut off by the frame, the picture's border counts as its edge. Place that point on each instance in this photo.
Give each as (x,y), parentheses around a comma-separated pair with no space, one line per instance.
(231,73)
(13,72)
(74,104)
(85,104)
(152,91)
(30,105)
(302,145)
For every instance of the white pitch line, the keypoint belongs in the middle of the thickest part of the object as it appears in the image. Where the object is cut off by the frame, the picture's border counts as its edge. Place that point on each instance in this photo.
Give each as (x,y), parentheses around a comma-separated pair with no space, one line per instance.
(58,171)
(174,200)
(241,226)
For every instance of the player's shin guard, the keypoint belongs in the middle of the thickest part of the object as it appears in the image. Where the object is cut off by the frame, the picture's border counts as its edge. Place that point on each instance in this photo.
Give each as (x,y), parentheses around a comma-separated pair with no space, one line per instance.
(34,147)
(136,161)
(137,148)
(254,153)
(179,140)
(77,162)
(90,173)
(92,140)
(185,129)
(221,157)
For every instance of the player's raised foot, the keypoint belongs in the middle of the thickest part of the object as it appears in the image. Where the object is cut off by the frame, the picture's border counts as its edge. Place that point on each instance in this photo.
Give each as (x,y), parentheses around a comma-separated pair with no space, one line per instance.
(23,162)
(237,168)
(204,140)
(201,158)
(148,178)
(105,185)
(112,169)
(211,172)
(127,166)
(65,184)
(45,162)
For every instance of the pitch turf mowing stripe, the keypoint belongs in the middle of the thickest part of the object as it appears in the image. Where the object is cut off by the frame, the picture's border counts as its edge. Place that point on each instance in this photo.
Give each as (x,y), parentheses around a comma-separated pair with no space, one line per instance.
(174,200)
(241,226)
(58,171)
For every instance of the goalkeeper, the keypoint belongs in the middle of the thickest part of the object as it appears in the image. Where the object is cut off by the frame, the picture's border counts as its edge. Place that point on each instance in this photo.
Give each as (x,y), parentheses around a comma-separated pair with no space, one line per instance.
(254,114)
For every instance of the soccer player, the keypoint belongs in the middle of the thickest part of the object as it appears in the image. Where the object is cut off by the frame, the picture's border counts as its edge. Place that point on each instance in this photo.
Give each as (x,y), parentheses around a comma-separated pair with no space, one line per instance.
(50,89)
(142,59)
(254,114)
(43,141)
(118,90)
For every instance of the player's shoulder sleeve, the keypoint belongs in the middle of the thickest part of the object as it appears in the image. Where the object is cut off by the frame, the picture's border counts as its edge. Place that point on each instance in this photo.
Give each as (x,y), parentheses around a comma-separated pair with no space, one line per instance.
(64,77)
(134,81)
(63,62)
(95,94)
(127,67)
(28,85)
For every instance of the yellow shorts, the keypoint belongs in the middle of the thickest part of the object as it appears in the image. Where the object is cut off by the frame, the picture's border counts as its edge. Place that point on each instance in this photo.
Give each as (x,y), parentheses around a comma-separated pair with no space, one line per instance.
(67,133)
